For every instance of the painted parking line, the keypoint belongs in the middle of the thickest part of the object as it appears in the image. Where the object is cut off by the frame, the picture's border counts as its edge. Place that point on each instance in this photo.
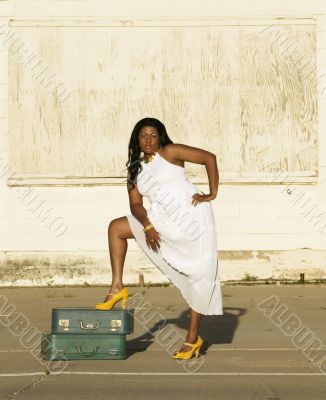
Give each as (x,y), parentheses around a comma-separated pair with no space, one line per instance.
(195,373)
(166,373)
(210,349)
(23,374)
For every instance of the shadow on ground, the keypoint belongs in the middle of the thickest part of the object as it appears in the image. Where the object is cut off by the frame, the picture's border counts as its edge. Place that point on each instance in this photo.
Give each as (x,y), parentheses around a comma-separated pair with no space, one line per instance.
(214,329)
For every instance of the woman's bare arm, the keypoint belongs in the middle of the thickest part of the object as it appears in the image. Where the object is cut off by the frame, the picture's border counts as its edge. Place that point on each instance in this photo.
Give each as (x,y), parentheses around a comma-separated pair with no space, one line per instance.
(136,205)
(197,156)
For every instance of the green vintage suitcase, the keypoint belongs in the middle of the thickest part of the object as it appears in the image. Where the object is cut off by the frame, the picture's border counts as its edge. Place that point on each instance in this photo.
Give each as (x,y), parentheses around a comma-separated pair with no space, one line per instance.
(90,320)
(83,346)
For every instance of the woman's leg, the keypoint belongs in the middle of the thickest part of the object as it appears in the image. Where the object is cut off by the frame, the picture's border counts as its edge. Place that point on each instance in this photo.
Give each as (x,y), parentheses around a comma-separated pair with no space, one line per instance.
(194,324)
(193,329)
(118,233)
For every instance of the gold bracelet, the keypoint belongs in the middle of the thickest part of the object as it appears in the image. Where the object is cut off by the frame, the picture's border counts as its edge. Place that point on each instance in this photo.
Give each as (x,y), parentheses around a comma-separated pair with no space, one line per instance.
(148,227)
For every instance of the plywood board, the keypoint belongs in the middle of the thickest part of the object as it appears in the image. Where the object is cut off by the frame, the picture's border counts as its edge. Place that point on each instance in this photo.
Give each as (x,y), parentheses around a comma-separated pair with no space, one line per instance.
(247,93)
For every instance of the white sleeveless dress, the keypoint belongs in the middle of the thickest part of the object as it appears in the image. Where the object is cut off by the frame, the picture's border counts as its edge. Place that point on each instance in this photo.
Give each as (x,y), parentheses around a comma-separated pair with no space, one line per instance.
(188,247)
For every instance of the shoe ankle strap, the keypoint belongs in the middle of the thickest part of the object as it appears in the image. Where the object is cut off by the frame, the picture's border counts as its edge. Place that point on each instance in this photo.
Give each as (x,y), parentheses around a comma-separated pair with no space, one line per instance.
(189,344)
(114,293)
(192,344)
(123,289)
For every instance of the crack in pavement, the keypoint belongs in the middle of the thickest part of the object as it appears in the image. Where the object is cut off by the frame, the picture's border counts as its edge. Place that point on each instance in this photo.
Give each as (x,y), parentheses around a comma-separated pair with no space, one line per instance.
(16,395)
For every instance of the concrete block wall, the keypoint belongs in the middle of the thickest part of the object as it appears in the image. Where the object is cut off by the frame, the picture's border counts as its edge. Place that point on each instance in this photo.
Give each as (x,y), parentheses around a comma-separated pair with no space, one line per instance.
(261,229)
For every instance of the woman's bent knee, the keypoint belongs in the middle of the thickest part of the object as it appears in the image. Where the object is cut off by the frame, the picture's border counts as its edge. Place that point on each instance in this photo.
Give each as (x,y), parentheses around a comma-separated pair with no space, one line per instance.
(120,226)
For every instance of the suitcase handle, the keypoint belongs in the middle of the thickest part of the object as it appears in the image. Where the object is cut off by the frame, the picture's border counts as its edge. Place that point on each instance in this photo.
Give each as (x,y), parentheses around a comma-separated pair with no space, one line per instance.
(89,326)
(90,354)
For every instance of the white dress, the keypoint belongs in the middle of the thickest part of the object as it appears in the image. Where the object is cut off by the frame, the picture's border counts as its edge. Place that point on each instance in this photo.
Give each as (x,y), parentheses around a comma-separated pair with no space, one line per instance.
(188,247)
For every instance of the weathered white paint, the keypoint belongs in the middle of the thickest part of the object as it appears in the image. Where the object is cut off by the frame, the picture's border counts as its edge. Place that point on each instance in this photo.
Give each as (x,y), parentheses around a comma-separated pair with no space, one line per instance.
(253,220)
(93,268)
(258,110)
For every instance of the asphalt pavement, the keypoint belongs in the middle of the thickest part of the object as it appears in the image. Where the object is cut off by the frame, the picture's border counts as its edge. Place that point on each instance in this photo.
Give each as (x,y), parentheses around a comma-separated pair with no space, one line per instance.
(269,344)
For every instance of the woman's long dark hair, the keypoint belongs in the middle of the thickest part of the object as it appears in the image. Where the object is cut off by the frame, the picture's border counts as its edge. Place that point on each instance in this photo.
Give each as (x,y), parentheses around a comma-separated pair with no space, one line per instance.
(133,163)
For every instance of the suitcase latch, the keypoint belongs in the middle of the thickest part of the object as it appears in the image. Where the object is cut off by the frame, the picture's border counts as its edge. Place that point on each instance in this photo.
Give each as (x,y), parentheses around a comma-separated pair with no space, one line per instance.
(115,323)
(64,323)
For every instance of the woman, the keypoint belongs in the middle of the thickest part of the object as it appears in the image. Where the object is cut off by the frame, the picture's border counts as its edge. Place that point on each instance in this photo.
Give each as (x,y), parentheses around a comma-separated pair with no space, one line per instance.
(178,233)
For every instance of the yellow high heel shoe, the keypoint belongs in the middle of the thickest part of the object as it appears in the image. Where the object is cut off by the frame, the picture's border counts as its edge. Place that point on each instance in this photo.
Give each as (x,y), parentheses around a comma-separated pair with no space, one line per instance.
(195,347)
(107,305)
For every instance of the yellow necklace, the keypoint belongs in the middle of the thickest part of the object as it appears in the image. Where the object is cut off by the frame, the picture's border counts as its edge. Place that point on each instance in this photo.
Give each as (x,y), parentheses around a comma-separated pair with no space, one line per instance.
(150,158)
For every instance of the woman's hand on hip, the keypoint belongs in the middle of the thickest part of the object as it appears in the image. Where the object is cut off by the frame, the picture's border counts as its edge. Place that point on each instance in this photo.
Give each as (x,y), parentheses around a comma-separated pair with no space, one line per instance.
(200,198)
